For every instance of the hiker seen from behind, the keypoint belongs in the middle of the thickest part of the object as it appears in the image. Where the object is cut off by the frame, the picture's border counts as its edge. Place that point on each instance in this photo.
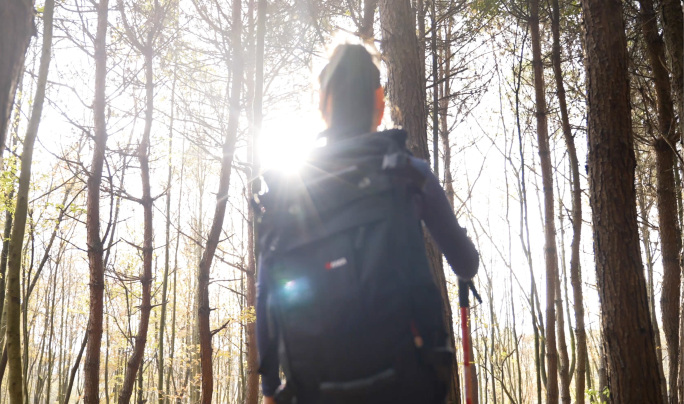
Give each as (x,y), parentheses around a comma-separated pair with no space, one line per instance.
(347,305)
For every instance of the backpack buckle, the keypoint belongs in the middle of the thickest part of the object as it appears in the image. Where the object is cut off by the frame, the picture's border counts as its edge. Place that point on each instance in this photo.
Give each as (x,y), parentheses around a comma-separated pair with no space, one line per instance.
(394,161)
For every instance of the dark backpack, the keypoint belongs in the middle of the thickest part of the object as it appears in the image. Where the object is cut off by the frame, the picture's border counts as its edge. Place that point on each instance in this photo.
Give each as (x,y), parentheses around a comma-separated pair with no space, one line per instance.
(352,300)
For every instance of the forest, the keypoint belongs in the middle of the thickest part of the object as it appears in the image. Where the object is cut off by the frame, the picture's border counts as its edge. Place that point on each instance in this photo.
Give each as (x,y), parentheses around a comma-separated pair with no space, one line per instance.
(133,135)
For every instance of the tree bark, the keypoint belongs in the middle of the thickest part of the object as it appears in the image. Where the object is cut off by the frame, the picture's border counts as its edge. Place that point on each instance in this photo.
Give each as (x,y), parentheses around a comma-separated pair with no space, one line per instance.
(576,215)
(673,33)
(627,332)
(147,203)
(16,29)
(254,100)
(551,255)
(167,252)
(366,30)
(220,211)
(91,367)
(74,370)
(406,90)
(15,380)
(444,118)
(646,241)
(435,87)
(670,234)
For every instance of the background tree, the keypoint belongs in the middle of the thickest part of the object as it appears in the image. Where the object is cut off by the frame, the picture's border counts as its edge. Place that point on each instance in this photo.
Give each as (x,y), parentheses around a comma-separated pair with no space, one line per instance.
(406,93)
(16,19)
(16,376)
(91,368)
(619,270)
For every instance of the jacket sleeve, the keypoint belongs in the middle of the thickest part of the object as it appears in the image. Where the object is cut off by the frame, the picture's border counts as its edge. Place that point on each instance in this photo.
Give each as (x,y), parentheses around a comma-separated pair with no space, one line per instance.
(267,344)
(438,216)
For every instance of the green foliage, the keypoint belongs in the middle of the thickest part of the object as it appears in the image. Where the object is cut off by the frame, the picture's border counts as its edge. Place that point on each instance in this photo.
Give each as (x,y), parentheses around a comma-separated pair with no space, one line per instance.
(248,315)
(489,8)
(8,178)
(599,397)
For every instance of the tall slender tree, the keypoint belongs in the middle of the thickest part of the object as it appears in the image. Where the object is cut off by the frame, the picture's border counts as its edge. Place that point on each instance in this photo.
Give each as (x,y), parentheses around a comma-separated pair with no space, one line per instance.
(670,234)
(253,186)
(146,46)
(91,368)
(16,28)
(576,215)
(221,201)
(16,378)
(550,252)
(627,332)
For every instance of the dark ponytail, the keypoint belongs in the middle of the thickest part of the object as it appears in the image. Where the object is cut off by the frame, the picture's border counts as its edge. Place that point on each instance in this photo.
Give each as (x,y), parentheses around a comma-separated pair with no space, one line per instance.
(349,82)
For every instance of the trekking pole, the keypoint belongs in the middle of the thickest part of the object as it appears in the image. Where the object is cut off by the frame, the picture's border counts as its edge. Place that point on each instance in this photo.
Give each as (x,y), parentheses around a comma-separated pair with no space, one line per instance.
(464,288)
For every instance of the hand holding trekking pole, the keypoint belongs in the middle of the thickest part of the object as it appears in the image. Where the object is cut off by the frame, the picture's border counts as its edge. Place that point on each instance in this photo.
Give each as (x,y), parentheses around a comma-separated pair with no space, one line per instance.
(464,288)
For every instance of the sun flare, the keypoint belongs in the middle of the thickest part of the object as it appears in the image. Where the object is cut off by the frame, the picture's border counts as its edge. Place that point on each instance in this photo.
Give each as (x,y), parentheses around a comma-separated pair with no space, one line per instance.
(286,142)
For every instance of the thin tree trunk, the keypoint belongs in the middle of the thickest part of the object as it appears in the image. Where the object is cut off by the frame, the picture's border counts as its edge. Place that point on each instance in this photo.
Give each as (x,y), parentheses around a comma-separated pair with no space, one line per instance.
(51,355)
(172,353)
(252,383)
(449,187)
(576,218)
(167,253)
(74,370)
(435,88)
(252,393)
(91,367)
(550,254)
(680,384)
(493,325)
(220,211)
(564,369)
(627,331)
(670,235)
(13,296)
(525,232)
(16,29)
(646,241)
(7,232)
(136,359)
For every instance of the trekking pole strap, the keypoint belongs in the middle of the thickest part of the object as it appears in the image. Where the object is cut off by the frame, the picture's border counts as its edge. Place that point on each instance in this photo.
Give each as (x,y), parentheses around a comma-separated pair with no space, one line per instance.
(464,289)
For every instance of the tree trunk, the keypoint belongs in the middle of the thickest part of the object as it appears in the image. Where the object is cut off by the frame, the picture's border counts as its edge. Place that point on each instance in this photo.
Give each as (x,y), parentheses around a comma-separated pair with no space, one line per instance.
(16,28)
(220,211)
(646,241)
(172,350)
(147,203)
(91,368)
(673,33)
(74,370)
(551,256)
(435,87)
(256,60)
(167,252)
(576,215)
(13,295)
(564,368)
(444,119)
(7,232)
(670,234)
(366,29)
(670,242)
(627,332)
(406,89)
